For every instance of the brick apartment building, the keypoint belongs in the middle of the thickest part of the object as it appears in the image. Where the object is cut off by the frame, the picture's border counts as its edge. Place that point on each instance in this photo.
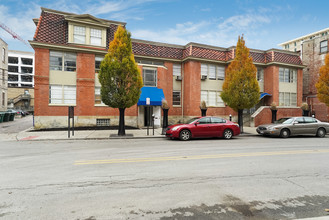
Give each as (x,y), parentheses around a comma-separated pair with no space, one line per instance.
(69,48)
(3,75)
(313,48)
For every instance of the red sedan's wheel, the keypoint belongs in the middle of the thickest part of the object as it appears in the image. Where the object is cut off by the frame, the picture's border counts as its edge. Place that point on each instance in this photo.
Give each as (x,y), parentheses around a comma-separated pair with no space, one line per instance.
(228,134)
(185,135)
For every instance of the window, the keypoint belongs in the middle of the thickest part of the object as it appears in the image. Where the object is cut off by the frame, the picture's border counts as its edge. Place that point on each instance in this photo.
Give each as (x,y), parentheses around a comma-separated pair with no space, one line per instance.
(150,62)
(176,97)
(310,120)
(295,44)
(3,55)
(79,35)
(13,69)
(177,70)
(12,84)
(98,100)
(287,99)
(212,98)
(62,94)
(96,37)
(217,120)
(287,75)
(260,75)
(323,46)
(3,98)
(204,120)
(213,72)
(62,61)
(12,78)
(3,77)
(103,122)
(27,61)
(26,69)
(13,60)
(150,77)
(26,78)
(98,61)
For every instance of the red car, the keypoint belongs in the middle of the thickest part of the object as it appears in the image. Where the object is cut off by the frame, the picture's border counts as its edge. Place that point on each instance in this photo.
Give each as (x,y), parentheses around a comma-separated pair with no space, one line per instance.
(203,127)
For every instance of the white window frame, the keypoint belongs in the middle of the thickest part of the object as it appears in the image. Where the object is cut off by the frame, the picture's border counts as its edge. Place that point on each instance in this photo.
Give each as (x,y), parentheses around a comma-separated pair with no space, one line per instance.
(180,98)
(65,58)
(212,71)
(63,96)
(98,92)
(287,75)
(79,34)
(260,74)
(206,95)
(177,70)
(145,69)
(324,48)
(287,99)
(98,59)
(96,36)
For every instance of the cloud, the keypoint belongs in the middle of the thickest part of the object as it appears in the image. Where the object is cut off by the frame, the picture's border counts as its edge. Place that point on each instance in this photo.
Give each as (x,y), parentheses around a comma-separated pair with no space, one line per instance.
(22,25)
(223,33)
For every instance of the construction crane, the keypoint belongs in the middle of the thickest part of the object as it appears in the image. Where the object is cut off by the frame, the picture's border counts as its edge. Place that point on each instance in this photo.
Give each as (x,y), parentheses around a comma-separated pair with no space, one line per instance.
(12,33)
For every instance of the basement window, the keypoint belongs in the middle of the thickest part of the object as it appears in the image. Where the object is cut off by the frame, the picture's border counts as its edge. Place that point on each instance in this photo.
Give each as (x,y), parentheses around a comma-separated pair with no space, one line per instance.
(103,122)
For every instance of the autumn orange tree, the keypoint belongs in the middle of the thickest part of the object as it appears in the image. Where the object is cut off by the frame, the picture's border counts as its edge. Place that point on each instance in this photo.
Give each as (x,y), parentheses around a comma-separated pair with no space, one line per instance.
(323,83)
(120,78)
(240,87)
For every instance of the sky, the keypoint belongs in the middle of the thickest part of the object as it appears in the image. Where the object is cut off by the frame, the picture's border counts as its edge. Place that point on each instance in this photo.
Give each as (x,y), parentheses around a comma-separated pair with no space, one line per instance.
(263,23)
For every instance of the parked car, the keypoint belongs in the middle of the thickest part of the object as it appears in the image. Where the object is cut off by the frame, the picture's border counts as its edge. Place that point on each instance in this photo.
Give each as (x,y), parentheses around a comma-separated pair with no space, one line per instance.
(203,127)
(295,126)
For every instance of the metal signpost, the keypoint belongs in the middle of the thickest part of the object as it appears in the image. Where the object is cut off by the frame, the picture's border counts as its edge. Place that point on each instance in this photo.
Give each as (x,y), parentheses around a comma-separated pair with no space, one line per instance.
(148,102)
(71,115)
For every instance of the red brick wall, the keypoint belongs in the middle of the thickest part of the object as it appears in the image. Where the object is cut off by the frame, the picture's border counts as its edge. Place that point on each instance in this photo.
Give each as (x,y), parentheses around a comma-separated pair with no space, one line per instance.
(192,88)
(265,116)
(271,84)
(41,81)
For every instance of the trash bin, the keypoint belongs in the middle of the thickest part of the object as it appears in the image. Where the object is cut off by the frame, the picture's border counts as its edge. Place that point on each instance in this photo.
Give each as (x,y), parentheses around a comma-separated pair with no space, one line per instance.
(6,117)
(12,117)
(2,115)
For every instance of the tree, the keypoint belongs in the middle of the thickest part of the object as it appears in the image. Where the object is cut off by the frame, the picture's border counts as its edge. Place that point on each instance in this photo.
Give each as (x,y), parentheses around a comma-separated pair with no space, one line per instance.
(240,87)
(119,76)
(323,83)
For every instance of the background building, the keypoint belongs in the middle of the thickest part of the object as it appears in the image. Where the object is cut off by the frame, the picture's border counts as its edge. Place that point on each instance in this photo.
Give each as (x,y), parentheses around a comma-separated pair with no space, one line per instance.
(3,75)
(69,49)
(21,80)
(313,48)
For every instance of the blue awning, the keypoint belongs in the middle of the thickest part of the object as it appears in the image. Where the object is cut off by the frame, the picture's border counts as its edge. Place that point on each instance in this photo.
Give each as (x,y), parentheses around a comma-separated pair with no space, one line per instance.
(155,94)
(262,95)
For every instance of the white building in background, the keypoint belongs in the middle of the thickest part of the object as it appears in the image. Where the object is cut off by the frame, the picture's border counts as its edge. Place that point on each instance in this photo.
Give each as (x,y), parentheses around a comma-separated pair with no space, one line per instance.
(20,69)
(3,74)
(21,80)
(295,44)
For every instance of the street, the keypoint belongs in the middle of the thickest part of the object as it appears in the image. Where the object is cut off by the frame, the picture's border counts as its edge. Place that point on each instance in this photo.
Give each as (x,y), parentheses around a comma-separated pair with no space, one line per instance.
(247,177)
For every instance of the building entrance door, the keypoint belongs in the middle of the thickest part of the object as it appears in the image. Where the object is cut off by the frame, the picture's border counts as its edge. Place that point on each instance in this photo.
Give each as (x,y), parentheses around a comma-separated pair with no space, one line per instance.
(148,112)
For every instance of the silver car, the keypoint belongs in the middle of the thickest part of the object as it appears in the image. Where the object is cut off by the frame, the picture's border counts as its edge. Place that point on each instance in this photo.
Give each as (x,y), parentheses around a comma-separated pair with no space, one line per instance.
(295,126)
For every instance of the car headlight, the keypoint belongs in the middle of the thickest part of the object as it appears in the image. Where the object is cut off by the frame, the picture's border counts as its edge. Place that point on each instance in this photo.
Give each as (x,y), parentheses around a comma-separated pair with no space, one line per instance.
(175,128)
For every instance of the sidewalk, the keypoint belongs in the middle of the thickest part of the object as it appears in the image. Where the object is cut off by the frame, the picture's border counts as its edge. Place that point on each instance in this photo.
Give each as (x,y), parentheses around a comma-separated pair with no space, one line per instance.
(30,135)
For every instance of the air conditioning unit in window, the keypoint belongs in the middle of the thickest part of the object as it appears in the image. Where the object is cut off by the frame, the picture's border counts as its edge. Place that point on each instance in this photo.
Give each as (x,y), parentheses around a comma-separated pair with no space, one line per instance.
(178,78)
(203,77)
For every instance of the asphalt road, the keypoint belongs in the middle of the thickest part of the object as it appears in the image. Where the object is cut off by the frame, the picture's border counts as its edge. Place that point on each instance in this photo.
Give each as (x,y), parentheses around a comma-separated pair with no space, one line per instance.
(243,178)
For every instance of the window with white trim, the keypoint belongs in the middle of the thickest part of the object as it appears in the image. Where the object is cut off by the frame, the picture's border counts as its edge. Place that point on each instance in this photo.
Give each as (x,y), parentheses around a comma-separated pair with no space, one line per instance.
(3,54)
(177,70)
(62,61)
(150,77)
(98,99)
(176,98)
(79,35)
(260,74)
(95,37)
(212,71)
(98,61)
(323,46)
(212,98)
(62,94)
(287,75)
(287,99)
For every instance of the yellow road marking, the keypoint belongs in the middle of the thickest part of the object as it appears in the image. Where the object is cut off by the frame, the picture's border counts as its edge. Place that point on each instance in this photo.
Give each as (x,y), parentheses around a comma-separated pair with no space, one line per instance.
(198,157)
